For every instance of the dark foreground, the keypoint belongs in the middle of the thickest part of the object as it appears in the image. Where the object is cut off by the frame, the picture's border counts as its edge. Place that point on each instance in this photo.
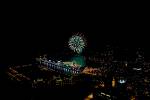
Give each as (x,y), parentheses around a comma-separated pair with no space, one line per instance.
(12,91)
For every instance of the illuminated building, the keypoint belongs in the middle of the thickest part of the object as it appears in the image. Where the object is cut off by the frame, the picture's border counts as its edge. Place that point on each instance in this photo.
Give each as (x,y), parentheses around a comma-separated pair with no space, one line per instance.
(122,81)
(132,98)
(89,97)
(58,66)
(94,71)
(58,81)
(113,82)
(139,59)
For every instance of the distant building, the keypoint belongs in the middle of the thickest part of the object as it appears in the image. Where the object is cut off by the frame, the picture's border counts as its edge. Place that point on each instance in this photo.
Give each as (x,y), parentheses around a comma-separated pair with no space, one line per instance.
(59,66)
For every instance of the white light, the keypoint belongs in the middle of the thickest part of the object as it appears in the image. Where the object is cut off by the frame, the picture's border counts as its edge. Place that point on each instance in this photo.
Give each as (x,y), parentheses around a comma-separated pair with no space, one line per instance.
(137,68)
(122,81)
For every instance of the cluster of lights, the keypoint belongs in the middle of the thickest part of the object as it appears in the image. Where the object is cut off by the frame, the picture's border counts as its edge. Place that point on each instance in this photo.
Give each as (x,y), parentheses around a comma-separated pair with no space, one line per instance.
(59,66)
(90,70)
(14,74)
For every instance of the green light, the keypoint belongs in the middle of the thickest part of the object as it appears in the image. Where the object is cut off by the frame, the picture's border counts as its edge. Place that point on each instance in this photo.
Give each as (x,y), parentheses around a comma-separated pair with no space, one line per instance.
(77,43)
(79,60)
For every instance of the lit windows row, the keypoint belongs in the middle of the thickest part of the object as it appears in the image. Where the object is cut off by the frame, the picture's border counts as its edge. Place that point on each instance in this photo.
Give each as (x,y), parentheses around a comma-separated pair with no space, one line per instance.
(59,66)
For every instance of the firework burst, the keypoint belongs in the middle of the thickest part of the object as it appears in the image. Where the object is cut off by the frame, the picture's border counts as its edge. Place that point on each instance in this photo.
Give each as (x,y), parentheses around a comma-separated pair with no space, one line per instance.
(77,43)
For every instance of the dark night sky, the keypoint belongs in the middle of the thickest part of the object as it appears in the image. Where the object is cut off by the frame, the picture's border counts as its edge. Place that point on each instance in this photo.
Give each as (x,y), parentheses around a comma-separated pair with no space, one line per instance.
(26,42)
(25,34)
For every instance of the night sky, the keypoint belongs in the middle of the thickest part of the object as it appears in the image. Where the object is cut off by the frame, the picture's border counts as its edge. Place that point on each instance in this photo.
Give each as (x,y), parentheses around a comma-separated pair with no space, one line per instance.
(27,34)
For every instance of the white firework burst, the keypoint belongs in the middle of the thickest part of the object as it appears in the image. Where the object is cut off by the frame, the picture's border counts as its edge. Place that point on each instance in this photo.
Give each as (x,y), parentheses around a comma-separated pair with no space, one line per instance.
(77,43)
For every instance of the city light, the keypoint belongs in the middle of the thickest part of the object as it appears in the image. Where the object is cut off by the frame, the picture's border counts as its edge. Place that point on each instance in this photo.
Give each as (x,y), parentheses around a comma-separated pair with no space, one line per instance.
(106,72)
(122,81)
(89,97)
(58,66)
(137,68)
